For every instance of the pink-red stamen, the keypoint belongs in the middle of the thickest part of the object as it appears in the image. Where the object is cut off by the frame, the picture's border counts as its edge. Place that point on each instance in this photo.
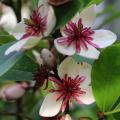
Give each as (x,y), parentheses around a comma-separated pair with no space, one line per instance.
(36,25)
(68,89)
(79,35)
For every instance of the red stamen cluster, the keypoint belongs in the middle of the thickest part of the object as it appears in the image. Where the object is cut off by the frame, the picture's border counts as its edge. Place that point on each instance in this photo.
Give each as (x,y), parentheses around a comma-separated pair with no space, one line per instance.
(41,77)
(68,89)
(78,35)
(36,25)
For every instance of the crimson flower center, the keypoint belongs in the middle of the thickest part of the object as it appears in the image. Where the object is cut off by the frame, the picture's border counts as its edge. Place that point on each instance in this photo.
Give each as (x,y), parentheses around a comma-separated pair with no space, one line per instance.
(36,25)
(68,89)
(78,35)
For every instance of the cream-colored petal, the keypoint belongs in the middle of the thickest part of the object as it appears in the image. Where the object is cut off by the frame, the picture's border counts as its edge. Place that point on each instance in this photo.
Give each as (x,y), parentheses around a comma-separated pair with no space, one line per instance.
(63,49)
(19,30)
(51,21)
(31,42)
(50,106)
(15,47)
(45,7)
(22,45)
(72,68)
(91,52)
(88,97)
(88,15)
(104,38)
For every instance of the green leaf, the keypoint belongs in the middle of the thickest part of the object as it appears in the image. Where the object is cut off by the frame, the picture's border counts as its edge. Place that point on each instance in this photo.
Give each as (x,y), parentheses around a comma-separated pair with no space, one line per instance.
(16,66)
(66,12)
(6,38)
(106,79)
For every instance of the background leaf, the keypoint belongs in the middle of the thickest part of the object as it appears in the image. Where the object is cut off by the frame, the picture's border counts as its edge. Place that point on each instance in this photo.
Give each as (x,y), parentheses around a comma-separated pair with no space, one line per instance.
(16,66)
(106,79)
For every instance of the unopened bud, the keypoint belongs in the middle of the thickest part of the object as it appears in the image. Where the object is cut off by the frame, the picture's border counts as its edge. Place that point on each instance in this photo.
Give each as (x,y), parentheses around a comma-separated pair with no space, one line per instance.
(48,57)
(38,58)
(13,92)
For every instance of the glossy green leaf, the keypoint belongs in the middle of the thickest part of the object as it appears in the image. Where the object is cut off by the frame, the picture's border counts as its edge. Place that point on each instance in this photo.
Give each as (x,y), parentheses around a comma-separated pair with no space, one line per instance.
(106,79)
(15,66)
(66,12)
(6,38)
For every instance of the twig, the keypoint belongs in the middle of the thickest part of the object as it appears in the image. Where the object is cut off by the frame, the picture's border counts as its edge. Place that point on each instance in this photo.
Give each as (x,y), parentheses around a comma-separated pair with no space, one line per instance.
(15,114)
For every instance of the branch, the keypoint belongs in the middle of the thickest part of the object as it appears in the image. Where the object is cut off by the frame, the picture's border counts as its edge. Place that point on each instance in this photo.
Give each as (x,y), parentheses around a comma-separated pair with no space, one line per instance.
(15,114)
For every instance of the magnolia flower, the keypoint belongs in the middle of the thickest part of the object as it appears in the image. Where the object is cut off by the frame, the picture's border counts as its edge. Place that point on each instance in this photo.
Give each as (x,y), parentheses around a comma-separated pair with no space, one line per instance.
(73,83)
(79,37)
(30,31)
(13,92)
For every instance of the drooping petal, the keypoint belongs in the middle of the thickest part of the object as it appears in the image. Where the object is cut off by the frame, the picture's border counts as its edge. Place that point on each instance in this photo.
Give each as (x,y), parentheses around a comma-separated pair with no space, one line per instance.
(91,52)
(70,67)
(88,97)
(103,38)
(51,21)
(23,45)
(88,16)
(19,30)
(65,50)
(50,106)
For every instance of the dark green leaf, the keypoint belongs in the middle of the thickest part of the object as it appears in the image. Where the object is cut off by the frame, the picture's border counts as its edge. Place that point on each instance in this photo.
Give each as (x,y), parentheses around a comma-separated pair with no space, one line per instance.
(106,79)
(16,66)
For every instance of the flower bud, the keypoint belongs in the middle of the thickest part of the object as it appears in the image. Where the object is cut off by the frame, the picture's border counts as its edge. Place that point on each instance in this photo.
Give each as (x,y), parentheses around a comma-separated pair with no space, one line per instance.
(38,58)
(13,92)
(48,57)
(58,2)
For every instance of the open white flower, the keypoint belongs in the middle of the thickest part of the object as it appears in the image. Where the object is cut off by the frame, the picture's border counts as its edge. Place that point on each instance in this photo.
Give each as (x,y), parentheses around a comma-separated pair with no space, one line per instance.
(30,31)
(73,83)
(78,37)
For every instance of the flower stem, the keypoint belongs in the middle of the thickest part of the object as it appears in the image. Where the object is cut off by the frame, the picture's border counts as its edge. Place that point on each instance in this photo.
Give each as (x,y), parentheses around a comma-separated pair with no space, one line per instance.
(4,113)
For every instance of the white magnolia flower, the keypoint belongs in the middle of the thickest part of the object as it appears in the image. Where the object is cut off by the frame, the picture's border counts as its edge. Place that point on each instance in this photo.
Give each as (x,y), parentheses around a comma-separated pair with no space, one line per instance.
(73,83)
(30,31)
(13,92)
(78,37)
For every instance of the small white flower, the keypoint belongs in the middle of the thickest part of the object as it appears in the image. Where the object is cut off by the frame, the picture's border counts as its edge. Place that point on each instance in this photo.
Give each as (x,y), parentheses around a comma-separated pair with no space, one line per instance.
(78,37)
(30,31)
(73,83)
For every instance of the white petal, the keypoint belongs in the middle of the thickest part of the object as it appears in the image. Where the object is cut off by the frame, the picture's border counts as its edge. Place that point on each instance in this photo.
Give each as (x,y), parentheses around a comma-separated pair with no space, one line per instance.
(63,49)
(23,45)
(88,16)
(19,30)
(31,42)
(72,68)
(51,21)
(50,107)
(91,52)
(88,97)
(45,7)
(104,38)
(15,47)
